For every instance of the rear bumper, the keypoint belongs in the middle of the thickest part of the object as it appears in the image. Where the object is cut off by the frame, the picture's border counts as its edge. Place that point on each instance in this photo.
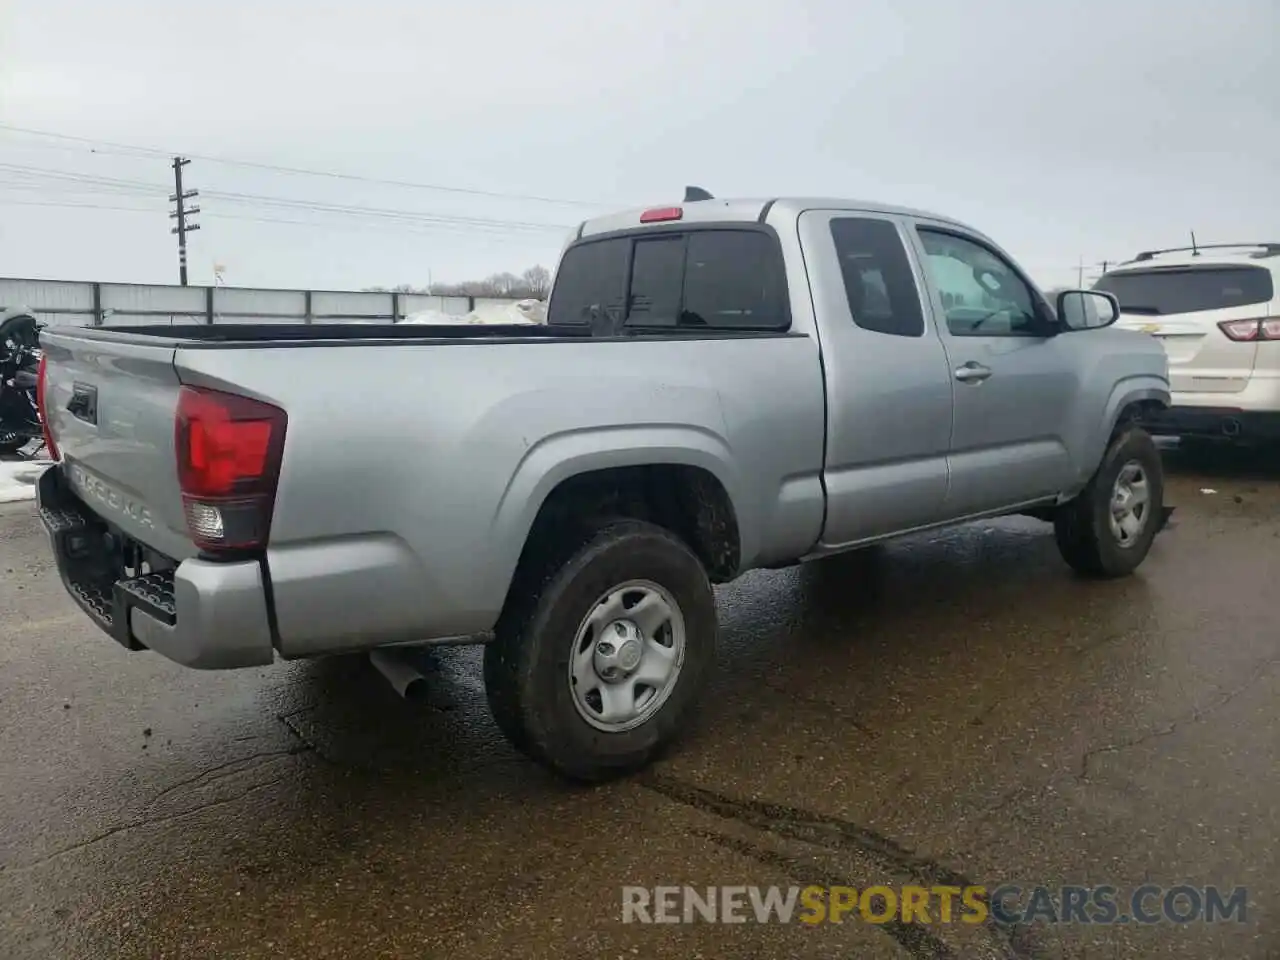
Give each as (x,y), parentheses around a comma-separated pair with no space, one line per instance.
(201,614)
(1224,422)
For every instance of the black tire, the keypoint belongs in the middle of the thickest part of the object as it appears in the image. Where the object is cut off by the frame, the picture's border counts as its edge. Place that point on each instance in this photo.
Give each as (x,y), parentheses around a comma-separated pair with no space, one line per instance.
(526,665)
(1082,526)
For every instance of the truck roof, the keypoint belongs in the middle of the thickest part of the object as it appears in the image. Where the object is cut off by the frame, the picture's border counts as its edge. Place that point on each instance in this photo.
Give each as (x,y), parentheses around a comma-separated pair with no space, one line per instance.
(747,210)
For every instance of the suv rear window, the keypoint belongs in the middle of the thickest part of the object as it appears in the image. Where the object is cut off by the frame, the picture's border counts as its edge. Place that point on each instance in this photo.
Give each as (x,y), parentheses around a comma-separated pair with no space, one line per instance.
(1188,289)
(716,279)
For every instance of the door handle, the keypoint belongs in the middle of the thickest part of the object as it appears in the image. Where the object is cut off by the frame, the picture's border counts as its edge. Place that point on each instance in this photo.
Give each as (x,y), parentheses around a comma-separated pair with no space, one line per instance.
(972,372)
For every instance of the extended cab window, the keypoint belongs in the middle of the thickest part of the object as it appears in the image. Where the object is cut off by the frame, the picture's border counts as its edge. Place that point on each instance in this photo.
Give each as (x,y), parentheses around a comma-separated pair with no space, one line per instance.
(982,295)
(1163,290)
(877,276)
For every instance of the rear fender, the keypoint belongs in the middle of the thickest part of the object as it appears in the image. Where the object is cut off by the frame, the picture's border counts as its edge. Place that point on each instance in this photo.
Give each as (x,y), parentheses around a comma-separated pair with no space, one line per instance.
(558,457)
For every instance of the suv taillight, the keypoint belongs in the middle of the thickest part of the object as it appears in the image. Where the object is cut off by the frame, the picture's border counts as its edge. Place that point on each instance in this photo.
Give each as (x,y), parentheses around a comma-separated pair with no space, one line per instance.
(41,377)
(1247,330)
(229,449)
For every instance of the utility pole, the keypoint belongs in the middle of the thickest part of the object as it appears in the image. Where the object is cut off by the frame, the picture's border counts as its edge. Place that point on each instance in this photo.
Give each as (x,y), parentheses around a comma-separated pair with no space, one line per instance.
(1080,274)
(180,214)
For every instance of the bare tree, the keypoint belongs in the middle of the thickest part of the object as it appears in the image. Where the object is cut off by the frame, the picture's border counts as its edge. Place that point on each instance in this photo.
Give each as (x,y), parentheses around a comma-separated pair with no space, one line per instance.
(534,283)
(537,280)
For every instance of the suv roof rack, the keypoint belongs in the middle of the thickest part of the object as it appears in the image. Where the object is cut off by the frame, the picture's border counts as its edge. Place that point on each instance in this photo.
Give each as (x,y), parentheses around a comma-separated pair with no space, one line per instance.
(1268,248)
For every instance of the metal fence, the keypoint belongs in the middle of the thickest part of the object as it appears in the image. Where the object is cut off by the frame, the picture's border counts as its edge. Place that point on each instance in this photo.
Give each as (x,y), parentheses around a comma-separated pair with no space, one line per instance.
(85,304)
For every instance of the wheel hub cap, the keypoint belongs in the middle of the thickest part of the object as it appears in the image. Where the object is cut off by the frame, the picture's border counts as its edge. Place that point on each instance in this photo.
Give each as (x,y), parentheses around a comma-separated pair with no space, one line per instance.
(626,656)
(1130,504)
(619,653)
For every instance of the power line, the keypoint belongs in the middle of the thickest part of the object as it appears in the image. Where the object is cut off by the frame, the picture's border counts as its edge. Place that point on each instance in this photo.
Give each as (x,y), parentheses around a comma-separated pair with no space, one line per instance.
(426,228)
(73,177)
(107,146)
(75,206)
(143,188)
(388,213)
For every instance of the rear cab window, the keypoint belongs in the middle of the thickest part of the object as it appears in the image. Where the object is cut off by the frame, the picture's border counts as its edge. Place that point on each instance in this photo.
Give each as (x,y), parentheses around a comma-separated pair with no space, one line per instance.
(1160,291)
(720,278)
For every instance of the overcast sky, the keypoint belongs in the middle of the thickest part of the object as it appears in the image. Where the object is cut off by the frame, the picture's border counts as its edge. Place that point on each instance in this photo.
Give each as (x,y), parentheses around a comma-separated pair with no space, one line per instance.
(1062,129)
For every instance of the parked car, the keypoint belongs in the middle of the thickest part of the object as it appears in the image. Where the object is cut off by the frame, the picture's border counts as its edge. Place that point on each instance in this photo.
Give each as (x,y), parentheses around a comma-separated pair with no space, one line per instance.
(19,361)
(1216,310)
(720,386)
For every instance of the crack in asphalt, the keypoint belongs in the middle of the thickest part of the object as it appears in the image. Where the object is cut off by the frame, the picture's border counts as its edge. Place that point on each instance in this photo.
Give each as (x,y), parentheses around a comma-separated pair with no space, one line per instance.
(1194,716)
(916,939)
(833,833)
(82,845)
(305,744)
(230,768)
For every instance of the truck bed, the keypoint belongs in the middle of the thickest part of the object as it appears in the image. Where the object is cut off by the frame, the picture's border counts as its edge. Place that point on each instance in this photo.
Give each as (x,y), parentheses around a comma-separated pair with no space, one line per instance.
(416,457)
(259,333)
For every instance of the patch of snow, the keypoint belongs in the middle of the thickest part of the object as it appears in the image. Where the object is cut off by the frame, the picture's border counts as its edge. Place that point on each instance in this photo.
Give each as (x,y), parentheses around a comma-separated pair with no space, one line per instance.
(18,479)
(525,312)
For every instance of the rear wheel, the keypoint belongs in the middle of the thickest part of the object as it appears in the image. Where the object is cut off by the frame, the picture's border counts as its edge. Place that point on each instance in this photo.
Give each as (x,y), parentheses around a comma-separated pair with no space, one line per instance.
(1106,531)
(597,663)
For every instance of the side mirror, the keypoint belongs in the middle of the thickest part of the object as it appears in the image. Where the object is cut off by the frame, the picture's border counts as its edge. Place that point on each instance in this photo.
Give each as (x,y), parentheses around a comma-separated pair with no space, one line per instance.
(1086,310)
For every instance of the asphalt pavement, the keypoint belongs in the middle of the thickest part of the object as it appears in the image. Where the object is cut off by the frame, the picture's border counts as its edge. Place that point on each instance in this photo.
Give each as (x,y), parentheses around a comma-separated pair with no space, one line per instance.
(952,709)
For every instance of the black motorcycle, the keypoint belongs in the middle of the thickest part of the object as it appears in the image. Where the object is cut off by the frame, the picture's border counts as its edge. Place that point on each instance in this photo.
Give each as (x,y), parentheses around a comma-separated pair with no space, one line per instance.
(19,377)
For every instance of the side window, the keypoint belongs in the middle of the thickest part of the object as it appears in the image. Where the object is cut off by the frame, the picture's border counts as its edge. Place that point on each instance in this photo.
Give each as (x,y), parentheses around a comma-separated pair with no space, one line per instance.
(590,284)
(877,277)
(981,293)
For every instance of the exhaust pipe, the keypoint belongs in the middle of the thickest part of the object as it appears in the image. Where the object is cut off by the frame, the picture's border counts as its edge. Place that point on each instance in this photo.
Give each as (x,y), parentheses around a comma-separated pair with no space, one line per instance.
(405,678)
(1231,427)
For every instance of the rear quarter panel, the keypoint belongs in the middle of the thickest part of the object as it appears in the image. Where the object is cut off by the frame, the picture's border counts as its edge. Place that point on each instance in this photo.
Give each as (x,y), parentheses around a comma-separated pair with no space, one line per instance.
(412,473)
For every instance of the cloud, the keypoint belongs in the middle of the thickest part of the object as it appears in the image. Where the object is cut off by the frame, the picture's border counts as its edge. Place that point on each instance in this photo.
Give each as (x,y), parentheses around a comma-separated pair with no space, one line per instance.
(1064,130)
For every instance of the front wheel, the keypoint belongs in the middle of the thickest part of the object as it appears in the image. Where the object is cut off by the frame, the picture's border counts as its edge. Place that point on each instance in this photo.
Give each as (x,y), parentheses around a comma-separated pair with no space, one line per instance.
(1106,531)
(597,665)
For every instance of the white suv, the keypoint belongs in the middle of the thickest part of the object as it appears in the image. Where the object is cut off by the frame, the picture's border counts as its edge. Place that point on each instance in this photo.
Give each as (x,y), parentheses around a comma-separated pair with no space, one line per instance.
(1216,309)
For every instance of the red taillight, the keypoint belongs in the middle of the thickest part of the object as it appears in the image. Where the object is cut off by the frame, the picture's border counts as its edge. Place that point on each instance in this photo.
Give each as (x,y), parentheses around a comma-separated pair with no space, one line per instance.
(1247,330)
(661,215)
(42,374)
(229,449)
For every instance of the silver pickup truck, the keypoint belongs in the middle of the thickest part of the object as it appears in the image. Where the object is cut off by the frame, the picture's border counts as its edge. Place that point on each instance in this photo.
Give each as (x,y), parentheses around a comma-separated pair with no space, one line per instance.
(720,386)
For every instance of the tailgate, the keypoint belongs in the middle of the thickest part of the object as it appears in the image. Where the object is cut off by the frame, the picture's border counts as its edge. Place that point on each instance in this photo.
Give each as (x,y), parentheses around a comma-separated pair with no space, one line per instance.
(1202,359)
(110,401)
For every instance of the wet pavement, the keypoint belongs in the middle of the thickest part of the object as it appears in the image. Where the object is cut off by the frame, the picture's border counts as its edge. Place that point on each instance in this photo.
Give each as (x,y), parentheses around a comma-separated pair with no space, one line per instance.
(952,709)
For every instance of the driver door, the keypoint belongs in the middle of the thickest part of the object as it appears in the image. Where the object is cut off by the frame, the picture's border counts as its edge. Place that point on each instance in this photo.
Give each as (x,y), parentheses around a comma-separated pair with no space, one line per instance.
(1014,388)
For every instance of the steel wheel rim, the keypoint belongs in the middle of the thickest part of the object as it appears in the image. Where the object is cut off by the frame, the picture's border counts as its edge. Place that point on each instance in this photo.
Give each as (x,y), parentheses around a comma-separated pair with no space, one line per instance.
(626,656)
(1130,506)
